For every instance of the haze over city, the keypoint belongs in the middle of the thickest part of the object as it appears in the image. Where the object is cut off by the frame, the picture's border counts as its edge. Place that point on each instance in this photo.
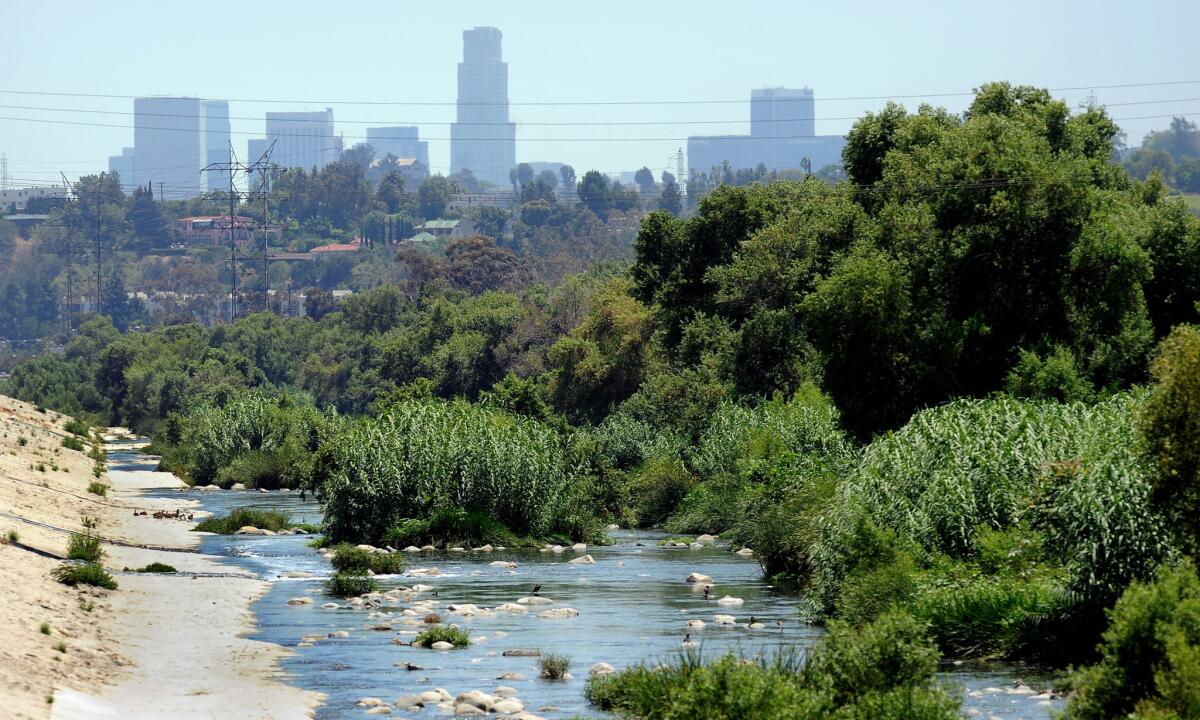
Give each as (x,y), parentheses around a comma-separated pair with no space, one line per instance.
(562,53)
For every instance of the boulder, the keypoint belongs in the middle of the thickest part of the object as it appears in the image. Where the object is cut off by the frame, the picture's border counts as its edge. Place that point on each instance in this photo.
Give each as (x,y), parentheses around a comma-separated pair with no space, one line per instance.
(370,702)
(699,579)
(728,601)
(409,702)
(412,549)
(368,548)
(504,564)
(504,691)
(695,624)
(511,676)
(705,539)
(724,620)
(297,574)
(559,613)
(508,706)
(237,486)
(300,601)
(520,652)
(442,645)
(330,606)
(428,548)
(602,668)
(339,634)
(484,548)
(510,608)
(534,600)
(430,697)
(612,526)
(248,530)
(582,560)
(745,552)
(579,547)
(467,709)
(557,549)
(756,626)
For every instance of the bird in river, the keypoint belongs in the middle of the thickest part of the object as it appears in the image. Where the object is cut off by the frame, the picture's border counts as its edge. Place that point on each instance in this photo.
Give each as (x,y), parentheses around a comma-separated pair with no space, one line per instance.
(537,588)
(706,592)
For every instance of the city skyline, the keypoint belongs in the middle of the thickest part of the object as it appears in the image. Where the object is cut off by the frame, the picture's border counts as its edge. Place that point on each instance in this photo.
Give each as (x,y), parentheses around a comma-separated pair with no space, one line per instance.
(559,55)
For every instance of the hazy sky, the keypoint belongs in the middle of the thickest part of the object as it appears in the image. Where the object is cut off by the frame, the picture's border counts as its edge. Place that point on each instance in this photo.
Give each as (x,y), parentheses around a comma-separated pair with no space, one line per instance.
(564,51)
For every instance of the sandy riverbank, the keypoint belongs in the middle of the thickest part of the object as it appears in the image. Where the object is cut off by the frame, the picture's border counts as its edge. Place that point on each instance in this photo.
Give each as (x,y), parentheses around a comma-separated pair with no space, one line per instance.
(160,646)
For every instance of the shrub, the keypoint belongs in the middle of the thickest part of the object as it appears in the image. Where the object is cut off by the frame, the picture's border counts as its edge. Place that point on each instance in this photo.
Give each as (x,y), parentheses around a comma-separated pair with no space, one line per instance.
(86,574)
(425,456)
(553,667)
(452,528)
(22,441)
(71,442)
(45,628)
(156,567)
(84,547)
(1150,655)
(242,517)
(78,427)
(350,559)
(658,486)
(349,584)
(441,633)
(98,488)
(1169,430)
(12,536)
(883,671)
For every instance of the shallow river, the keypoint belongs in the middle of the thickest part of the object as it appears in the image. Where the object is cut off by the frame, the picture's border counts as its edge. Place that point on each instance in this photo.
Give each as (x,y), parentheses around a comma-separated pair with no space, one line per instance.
(633,606)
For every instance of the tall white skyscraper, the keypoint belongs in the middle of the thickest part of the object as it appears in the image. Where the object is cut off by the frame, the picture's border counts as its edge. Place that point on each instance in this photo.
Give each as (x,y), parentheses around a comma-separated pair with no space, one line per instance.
(302,139)
(483,140)
(170,142)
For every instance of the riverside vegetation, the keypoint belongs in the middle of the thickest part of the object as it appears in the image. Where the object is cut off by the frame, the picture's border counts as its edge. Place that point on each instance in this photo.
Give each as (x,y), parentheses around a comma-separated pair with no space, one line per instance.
(954,399)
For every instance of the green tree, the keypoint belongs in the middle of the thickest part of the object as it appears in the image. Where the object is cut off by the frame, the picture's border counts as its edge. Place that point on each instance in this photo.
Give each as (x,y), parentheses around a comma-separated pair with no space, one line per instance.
(595,194)
(671,201)
(146,220)
(391,192)
(434,196)
(645,180)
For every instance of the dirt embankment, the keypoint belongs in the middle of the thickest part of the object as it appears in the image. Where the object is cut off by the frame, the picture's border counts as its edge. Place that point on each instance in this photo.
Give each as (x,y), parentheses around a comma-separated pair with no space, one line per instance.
(166,646)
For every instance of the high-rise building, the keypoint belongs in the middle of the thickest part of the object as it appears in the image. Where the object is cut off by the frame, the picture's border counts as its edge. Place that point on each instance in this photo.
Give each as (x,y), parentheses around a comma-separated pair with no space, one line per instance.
(483,140)
(782,135)
(217,137)
(402,141)
(302,139)
(170,144)
(123,165)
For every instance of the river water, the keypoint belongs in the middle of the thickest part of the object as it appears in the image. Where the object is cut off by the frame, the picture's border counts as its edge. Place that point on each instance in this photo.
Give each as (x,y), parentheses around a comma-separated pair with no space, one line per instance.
(633,606)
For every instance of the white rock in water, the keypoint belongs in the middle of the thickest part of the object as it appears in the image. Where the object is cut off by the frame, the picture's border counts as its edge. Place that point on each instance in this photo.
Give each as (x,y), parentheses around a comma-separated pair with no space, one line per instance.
(613,526)
(724,620)
(300,601)
(579,547)
(409,702)
(728,601)
(370,702)
(457,549)
(508,706)
(511,676)
(582,560)
(484,548)
(602,668)
(556,549)
(412,549)
(504,564)
(504,691)
(745,552)
(756,626)
(699,578)
(237,486)
(696,624)
(535,600)
(442,645)
(428,548)
(696,546)
(330,606)
(339,634)
(559,613)
(511,608)
(431,696)
(297,574)
(368,548)
(705,539)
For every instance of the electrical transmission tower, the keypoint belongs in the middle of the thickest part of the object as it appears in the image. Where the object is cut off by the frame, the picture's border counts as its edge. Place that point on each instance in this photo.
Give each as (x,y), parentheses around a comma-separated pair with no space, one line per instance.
(4,171)
(231,171)
(68,250)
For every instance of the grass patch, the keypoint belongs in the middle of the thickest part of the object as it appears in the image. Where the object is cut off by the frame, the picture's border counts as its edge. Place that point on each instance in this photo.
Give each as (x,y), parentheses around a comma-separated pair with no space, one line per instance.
(347,584)
(885,670)
(241,517)
(71,442)
(348,558)
(87,574)
(442,633)
(553,667)
(98,488)
(12,536)
(156,567)
(454,528)
(45,628)
(84,547)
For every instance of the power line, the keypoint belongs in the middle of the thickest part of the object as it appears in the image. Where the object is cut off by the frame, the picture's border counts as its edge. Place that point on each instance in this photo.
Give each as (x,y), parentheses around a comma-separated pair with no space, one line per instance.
(740,138)
(588,103)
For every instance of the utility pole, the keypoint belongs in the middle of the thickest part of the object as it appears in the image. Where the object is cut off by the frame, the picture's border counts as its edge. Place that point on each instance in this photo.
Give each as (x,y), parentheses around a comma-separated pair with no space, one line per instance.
(265,169)
(231,169)
(4,171)
(96,210)
(68,251)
